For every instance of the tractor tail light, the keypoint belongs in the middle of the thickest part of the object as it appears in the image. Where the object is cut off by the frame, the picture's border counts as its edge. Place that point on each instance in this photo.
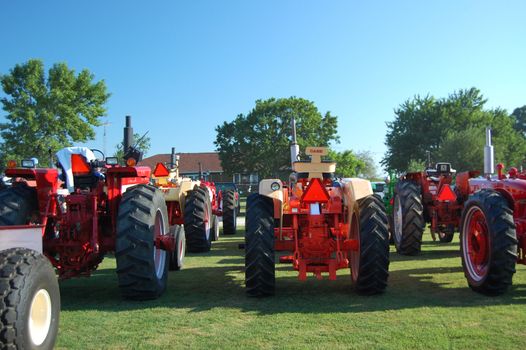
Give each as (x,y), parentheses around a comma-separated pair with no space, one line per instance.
(315,192)
(131,162)
(446,194)
(160,170)
(11,164)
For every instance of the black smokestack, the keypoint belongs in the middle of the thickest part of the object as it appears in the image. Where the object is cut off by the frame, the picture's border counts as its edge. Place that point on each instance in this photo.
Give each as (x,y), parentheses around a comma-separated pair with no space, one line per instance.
(172,158)
(128,134)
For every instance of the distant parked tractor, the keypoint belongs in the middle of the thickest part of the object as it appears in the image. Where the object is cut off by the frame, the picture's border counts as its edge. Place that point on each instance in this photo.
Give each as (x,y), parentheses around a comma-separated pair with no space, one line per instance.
(325,224)
(426,197)
(194,204)
(91,208)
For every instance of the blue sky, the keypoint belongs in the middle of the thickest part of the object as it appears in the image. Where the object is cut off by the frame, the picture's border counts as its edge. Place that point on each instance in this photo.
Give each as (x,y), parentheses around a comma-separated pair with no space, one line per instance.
(180,68)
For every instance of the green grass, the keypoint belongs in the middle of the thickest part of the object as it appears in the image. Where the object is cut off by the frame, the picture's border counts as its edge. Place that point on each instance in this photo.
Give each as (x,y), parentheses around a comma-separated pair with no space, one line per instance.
(427,306)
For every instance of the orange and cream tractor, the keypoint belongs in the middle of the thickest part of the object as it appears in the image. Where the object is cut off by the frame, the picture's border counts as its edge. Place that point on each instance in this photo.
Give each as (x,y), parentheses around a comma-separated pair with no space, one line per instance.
(320,224)
(189,207)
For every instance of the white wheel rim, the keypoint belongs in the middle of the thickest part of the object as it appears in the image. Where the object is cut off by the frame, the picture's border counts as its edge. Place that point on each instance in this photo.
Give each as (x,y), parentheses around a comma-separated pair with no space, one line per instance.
(207,224)
(40,317)
(398,220)
(159,255)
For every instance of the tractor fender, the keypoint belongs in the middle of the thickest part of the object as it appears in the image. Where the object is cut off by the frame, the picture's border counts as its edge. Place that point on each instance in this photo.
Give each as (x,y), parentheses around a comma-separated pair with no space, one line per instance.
(265,189)
(355,189)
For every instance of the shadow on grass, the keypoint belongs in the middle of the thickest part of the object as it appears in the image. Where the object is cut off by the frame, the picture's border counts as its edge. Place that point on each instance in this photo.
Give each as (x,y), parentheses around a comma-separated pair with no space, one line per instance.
(205,288)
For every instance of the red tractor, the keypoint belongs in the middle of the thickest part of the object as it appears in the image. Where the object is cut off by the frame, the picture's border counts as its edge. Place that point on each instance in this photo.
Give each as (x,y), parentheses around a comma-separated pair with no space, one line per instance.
(493,226)
(324,224)
(91,208)
(426,197)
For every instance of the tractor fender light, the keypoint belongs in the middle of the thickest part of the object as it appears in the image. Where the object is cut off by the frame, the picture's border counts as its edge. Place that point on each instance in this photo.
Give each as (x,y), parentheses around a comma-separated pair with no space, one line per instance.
(131,162)
(11,164)
(112,160)
(27,163)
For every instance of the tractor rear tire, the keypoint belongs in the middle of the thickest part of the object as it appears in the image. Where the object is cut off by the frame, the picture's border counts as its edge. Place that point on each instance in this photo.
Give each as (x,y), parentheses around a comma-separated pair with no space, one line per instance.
(373,263)
(17,204)
(142,269)
(488,243)
(229,213)
(408,214)
(260,274)
(177,256)
(198,221)
(29,300)
(248,204)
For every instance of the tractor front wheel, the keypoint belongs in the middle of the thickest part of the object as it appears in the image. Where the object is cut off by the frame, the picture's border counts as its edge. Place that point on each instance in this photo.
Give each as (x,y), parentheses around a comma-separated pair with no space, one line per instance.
(142,269)
(177,256)
(229,213)
(260,275)
(198,221)
(29,300)
(408,218)
(488,243)
(370,264)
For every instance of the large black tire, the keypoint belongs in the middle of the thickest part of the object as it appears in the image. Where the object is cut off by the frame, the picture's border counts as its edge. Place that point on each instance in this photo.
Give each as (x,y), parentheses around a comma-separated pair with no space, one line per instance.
(488,243)
(17,204)
(370,276)
(260,275)
(198,221)
(29,300)
(229,212)
(408,215)
(142,269)
(177,256)
(248,204)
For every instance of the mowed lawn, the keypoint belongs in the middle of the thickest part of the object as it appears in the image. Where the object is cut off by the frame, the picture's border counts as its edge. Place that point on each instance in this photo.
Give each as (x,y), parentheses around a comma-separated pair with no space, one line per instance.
(427,305)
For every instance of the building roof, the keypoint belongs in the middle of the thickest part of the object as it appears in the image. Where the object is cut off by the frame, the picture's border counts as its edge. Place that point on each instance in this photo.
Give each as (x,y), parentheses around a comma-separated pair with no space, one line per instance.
(188,162)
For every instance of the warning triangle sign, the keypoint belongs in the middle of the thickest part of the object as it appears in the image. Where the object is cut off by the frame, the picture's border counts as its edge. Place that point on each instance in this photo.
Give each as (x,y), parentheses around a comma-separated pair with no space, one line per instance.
(160,170)
(315,192)
(446,194)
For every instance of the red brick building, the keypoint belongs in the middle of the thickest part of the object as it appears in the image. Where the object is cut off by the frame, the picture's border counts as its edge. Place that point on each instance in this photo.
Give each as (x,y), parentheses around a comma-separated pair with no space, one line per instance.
(189,165)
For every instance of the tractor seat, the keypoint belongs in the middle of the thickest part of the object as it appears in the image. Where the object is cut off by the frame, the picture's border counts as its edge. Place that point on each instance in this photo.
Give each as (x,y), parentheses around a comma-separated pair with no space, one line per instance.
(76,167)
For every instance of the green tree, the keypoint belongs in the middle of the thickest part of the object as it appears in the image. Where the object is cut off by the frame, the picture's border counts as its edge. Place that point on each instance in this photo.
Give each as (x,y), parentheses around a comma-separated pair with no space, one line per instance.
(260,141)
(143,145)
(369,170)
(347,163)
(519,118)
(48,112)
(464,149)
(422,124)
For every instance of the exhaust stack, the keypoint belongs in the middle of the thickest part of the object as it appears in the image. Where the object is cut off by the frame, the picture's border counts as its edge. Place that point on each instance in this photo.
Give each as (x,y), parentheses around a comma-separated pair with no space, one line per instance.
(489,158)
(128,134)
(294,147)
(173,160)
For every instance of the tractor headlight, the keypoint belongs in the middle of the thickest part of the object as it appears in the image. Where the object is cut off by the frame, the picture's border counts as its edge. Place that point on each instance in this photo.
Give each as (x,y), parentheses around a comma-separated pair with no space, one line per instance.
(28,163)
(112,160)
(275,186)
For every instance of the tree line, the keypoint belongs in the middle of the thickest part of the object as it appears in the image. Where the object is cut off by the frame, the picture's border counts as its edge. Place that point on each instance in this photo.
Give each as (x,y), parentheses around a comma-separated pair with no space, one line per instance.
(46,111)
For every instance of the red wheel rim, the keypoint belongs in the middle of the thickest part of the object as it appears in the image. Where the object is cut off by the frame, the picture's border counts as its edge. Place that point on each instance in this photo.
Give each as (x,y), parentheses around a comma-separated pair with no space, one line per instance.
(355,254)
(475,243)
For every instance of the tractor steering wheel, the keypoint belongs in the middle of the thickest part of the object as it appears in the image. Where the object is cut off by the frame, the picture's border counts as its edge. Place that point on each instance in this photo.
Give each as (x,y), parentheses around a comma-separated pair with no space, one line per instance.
(99,151)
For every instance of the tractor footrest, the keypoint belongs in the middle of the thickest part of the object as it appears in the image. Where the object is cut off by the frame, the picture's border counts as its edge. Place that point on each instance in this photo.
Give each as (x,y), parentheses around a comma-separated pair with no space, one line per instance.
(286,259)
